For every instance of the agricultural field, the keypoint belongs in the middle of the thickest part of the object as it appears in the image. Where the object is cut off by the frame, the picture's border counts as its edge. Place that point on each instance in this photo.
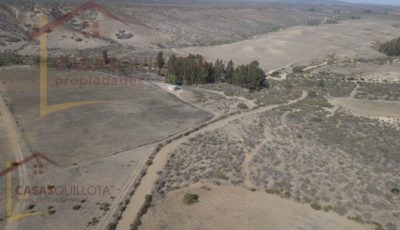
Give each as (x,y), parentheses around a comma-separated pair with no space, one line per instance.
(113,136)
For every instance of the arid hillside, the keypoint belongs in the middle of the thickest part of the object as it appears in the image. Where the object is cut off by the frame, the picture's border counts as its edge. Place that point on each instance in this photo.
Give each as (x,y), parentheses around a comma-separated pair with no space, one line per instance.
(157,26)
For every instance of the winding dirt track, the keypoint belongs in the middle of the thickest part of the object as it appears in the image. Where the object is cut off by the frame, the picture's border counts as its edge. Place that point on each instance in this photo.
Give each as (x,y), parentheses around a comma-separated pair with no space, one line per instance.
(148,181)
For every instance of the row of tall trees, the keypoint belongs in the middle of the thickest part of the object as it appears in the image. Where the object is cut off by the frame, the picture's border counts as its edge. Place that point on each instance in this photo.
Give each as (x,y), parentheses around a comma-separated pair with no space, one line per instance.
(194,69)
(391,48)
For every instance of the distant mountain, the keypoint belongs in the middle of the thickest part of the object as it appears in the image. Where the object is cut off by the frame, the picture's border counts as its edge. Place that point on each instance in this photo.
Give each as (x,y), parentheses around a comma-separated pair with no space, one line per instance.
(380,2)
(240,1)
(302,1)
(329,2)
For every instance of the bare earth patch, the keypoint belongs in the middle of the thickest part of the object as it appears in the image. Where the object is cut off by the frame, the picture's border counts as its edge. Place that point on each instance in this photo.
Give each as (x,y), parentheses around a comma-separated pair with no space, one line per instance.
(226,207)
(369,108)
(278,49)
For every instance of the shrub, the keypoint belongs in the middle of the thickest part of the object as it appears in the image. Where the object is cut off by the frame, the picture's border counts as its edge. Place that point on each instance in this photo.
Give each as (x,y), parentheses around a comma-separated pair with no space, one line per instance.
(340,209)
(143,210)
(395,191)
(135,225)
(272,191)
(378,226)
(242,106)
(356,219)
(316,206)
(312,94)
(190,198)
(317,119)
(327,208)
(112,226)
(220,175)
(105,206)
(51,212)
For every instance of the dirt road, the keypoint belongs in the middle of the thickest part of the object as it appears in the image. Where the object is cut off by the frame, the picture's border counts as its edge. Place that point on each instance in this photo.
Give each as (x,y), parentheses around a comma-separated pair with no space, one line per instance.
(148,181)
(124,191)
(17,149)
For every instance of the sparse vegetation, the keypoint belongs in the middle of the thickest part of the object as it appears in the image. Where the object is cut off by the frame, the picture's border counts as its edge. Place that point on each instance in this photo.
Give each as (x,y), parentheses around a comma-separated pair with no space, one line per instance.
(242,106)
(51,212)
(316,206)
(143,210)
(7,59)
(356,219)
(190,198)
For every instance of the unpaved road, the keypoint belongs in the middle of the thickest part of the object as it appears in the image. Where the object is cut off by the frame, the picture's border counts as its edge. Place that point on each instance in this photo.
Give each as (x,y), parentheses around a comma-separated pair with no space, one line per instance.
(148,181)
(124,191)
(249,157)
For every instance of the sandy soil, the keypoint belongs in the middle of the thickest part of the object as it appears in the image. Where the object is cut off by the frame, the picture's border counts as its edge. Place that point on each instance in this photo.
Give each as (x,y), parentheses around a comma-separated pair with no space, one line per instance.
(225,207)
(369,108)
(275,50)
(386,72)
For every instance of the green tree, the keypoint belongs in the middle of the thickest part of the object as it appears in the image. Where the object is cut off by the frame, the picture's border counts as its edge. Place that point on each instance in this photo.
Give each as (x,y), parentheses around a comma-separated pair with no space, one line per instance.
(218,71)
(194,69)
(105,57)
(391,48)
(229,70)
(160,60)
(172,64)
(250,76)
